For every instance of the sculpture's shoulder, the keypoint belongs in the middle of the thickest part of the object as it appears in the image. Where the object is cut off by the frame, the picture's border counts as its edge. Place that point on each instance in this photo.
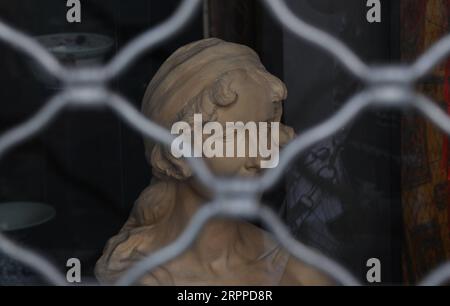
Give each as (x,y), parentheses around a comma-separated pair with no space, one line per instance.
(299,274)
(287,269)
(145,232)
(123,251)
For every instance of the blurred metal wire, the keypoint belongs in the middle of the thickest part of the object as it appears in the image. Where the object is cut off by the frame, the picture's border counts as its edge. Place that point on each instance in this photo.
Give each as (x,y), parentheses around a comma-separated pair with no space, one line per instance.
(386,86)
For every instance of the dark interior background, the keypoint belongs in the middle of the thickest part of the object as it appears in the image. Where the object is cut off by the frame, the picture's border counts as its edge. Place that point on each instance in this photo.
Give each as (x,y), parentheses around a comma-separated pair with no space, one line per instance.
(90,167)
(358,216)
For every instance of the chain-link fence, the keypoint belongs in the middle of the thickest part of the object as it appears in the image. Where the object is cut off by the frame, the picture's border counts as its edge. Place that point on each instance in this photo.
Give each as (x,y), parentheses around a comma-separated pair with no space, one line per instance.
(390,86)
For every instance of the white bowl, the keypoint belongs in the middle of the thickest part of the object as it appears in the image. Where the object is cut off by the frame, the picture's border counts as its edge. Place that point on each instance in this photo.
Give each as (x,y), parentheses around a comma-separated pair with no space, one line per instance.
(75,50)
(18,216)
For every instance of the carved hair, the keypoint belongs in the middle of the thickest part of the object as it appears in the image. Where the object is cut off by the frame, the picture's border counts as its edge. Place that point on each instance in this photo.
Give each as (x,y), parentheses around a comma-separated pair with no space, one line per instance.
(219,94)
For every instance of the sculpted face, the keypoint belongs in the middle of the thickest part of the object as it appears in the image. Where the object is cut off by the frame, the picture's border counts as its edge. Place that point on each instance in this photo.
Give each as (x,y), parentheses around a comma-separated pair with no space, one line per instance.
(258,101)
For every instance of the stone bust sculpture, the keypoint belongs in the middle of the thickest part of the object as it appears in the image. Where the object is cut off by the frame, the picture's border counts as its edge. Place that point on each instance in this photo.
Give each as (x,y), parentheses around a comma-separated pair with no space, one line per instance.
(224,82)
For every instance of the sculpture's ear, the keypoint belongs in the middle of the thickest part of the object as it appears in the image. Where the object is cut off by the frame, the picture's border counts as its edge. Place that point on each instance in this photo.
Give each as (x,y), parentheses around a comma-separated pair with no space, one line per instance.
(166,165)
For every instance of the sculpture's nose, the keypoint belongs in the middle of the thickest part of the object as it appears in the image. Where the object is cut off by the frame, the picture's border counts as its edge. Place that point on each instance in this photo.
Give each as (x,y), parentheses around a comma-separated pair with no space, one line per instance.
(287,134)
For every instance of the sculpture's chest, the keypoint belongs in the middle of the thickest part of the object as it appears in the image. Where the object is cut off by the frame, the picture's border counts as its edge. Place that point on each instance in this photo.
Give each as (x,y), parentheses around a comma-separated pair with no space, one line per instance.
(251,274)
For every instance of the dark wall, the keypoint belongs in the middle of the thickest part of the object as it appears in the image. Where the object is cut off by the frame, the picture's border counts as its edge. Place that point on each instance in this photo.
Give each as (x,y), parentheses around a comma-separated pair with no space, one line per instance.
(88,165)
(344,194)
(247,22)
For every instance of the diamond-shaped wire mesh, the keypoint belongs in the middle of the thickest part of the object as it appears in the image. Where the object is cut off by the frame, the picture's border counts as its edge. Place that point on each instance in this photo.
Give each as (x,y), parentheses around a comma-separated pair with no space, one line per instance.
(390,86)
